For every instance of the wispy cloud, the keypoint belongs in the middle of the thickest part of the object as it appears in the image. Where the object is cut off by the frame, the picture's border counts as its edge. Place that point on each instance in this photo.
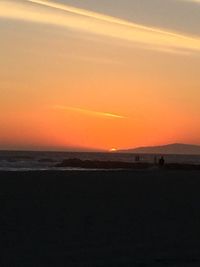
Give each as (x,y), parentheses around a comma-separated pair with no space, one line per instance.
(191,1)
(90,112)
(52,13)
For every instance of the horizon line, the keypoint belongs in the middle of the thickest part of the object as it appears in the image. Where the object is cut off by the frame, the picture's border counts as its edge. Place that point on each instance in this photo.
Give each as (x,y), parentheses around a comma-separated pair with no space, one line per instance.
(86,150)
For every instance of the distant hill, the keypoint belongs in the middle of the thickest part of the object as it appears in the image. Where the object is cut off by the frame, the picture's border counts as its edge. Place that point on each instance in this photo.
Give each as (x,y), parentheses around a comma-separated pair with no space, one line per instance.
(166,149)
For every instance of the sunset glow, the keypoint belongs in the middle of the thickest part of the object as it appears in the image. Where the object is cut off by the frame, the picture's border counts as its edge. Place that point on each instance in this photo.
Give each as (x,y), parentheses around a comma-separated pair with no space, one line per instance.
(113,150)
(75,74)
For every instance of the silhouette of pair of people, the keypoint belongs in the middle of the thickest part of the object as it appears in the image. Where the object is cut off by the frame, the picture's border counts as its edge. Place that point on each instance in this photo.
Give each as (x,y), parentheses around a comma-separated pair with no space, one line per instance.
(137,158)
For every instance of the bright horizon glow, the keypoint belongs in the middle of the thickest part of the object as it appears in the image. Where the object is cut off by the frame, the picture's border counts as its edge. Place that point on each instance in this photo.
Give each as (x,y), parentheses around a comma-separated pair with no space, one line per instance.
(85,74)
(113,150)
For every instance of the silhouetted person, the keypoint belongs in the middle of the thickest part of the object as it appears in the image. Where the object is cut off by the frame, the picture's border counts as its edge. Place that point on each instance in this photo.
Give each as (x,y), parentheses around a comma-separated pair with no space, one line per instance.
(155,160)
(137,158)
(161,162)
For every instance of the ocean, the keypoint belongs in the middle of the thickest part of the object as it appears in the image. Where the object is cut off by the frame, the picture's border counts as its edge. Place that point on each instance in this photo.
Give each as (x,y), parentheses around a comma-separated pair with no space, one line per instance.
(34,160)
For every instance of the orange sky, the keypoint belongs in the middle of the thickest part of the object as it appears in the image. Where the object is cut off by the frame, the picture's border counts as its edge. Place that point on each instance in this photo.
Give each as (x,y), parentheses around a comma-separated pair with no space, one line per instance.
(74,78)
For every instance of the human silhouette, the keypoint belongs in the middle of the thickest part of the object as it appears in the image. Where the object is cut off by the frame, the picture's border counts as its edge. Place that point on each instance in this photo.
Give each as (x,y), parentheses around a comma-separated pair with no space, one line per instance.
(137,158)
(161,162)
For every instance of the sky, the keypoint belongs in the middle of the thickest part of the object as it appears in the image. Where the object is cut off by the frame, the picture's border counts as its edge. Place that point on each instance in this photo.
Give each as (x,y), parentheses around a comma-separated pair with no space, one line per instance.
(99,74)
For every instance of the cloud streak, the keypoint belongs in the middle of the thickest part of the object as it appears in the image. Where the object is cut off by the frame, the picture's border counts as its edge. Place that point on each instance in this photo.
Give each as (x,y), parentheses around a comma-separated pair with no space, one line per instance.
(51,13)
(191,1)
(90,112)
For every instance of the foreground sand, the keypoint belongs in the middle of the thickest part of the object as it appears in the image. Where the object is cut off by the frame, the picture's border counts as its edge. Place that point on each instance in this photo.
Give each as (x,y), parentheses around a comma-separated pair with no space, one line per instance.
(112,218)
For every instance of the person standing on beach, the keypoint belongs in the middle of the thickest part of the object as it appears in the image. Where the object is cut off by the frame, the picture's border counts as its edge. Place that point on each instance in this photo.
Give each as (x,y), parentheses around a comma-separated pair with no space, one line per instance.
(137,158)
(161,161)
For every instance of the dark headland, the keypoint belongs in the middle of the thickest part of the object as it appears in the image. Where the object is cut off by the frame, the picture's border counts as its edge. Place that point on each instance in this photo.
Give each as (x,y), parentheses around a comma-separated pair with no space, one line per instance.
(100,218)
(177,149)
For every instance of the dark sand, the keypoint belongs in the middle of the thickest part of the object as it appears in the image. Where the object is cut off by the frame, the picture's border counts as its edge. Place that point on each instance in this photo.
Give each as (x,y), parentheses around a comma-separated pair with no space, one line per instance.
(112,218)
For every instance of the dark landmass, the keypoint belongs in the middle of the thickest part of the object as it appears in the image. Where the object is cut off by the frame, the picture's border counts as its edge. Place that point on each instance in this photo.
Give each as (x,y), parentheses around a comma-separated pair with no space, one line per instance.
(177,149)
(47,160)
(100,218)
(94,164)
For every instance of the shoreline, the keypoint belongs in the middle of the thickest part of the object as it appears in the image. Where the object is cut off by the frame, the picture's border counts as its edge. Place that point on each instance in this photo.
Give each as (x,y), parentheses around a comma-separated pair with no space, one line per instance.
(151,168)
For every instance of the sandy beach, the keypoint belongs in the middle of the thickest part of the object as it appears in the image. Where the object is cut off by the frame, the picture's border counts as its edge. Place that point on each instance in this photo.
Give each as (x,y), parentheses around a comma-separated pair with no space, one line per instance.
(100,218)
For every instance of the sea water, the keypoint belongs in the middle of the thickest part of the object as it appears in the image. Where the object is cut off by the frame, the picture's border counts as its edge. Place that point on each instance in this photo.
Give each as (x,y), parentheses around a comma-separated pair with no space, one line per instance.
(34,160)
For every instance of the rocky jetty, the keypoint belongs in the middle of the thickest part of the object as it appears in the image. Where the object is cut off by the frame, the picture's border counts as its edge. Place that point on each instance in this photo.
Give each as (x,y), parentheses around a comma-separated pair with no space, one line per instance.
(95,164)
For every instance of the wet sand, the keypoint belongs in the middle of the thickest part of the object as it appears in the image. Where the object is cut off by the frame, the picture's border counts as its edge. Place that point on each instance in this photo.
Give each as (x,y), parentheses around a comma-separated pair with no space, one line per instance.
(101,218)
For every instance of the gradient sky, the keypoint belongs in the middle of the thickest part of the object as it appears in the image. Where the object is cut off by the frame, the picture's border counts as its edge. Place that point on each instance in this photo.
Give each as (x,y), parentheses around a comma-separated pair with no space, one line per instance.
(99,74)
